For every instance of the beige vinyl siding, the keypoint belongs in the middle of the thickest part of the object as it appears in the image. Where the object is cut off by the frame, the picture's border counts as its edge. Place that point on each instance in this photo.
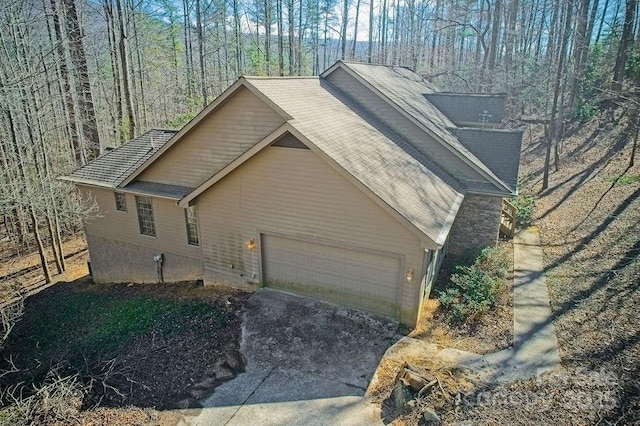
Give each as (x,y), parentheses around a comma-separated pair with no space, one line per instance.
(384,112)
(237,125)
(169,220)
(293,193)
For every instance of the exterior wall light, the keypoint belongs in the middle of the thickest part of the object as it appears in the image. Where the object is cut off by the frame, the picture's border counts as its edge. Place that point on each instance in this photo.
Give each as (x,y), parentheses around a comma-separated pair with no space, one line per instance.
(410,274)
(251,244)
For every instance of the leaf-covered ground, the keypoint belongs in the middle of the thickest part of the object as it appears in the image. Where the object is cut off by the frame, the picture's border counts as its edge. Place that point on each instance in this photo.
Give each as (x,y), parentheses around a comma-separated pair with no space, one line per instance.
(152,346)
(589,220)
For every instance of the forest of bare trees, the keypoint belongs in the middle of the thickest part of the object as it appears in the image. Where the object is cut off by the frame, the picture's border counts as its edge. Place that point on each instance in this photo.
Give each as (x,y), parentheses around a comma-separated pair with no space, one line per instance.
(78,76)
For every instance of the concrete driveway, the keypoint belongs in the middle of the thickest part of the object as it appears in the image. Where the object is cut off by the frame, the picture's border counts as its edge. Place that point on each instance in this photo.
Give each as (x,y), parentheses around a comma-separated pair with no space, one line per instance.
(308,362)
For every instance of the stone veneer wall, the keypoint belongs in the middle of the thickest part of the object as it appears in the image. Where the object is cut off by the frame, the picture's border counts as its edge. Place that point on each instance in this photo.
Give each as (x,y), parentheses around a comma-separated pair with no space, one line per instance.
(476,225)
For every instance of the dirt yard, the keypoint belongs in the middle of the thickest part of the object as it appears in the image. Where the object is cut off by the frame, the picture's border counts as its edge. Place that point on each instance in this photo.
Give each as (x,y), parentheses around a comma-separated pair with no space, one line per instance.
(150,346)
(23,274)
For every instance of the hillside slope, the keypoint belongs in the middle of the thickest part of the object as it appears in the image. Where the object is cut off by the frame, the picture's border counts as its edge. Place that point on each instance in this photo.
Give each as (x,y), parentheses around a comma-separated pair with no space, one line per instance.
(589,220)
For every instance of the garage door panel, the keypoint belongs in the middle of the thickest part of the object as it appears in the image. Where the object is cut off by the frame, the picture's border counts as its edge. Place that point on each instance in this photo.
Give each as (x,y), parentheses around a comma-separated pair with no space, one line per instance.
(347,276)
(304,260)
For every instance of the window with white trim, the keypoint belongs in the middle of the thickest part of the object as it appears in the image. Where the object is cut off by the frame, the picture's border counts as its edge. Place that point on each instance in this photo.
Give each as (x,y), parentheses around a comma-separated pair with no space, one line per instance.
(192,225)
(145,216)
(121,202)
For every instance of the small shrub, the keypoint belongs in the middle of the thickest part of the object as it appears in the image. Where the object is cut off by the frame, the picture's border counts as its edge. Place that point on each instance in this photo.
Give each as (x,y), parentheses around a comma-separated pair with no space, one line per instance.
(626,179)
(525,206)
(474,288)
(494,262)
(584,109)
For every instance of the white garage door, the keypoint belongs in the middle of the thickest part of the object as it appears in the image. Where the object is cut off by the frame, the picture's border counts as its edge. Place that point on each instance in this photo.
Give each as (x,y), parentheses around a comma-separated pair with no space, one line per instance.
(346,276)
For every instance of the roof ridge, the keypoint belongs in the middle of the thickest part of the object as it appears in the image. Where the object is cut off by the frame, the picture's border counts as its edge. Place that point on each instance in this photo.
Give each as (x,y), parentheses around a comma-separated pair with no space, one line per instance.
(283,77)
(448,93)
(377,65)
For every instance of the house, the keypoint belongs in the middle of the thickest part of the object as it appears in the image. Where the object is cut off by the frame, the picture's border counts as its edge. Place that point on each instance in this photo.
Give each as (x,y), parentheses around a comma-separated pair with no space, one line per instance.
(349,187)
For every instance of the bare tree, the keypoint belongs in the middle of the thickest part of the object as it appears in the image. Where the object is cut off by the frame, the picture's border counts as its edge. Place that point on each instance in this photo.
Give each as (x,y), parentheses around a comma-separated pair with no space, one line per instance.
(88,118)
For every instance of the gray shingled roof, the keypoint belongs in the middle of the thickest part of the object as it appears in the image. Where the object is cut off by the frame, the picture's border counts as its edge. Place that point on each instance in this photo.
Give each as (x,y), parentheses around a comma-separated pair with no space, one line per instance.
(376,157)
(407,90)
(498,149)
(113,167)
(469,107)
(174,192)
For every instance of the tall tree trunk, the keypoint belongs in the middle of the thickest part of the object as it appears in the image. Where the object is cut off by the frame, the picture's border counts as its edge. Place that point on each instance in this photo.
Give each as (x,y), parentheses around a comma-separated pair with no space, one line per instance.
(396,34)
(83,86)
(301,32)
(267,35)
(383,34)
(115,66)
(126,78)
(540,33)
(13,139)
(41,252)
(493,47)
(238,37)
(188,49)
(581,47)
(623,46)
(316,38)
(602,19)
(592,21)
(58,235)
(510,45)
(291,15)
(280,38)
(141,106)
(70,111)
(54,247)
(203,72)
(554,120)
(325,39)
(355,30)
(479,32)
(343,29)
(370,45)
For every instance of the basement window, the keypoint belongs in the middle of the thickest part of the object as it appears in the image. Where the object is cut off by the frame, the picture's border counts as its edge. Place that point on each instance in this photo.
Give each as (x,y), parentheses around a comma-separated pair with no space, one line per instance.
(121,202)
(145,216)
(192,225)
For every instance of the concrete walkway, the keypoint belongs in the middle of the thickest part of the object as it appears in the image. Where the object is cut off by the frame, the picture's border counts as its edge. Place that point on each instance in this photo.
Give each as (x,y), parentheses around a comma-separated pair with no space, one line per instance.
(535,346)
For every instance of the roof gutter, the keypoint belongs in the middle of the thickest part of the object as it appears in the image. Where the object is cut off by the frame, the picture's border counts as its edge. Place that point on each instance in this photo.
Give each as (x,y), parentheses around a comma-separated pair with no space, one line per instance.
(448,223)
(86,182)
